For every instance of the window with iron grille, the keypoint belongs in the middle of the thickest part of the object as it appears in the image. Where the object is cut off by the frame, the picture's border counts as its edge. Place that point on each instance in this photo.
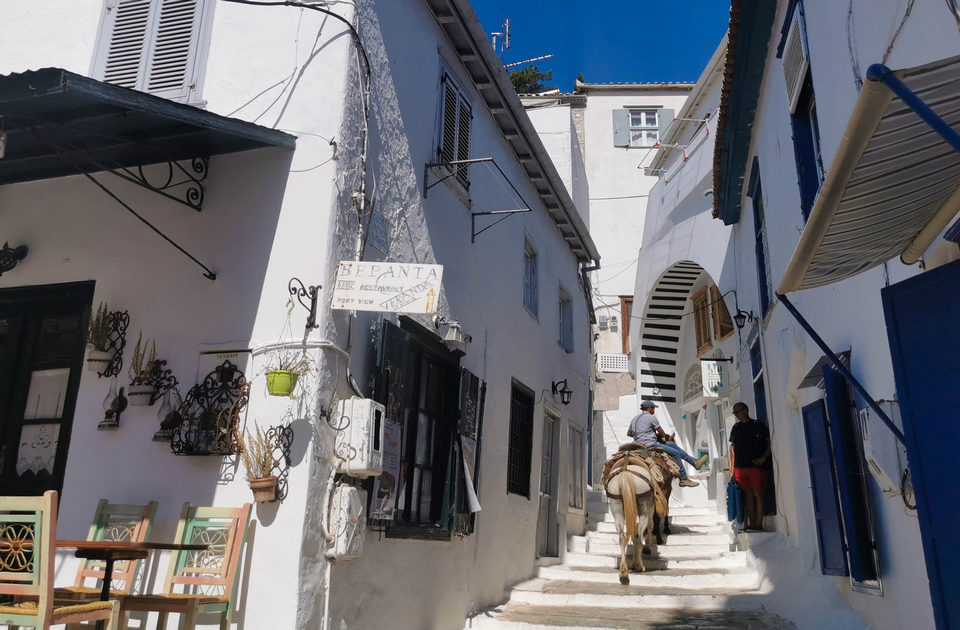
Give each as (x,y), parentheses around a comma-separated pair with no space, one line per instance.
(530,281)
(576,486)
(520,445)
(453,142)
(722,322)
(565,332)
(701,320)
(155,46)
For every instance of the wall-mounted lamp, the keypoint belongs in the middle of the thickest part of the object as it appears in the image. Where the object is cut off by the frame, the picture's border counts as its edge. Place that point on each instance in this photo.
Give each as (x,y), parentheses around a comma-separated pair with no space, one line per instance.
(741,318)
(559,388)
(113,406)
(10,257)
(455,340)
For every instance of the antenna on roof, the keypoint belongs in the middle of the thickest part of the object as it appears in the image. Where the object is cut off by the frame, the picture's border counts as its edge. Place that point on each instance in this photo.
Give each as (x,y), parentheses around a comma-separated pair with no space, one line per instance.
(503,34)
(525,61)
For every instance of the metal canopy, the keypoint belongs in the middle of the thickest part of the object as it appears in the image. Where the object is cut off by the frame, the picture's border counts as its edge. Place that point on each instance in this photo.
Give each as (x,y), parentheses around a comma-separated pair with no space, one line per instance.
(59,123)
(893,185)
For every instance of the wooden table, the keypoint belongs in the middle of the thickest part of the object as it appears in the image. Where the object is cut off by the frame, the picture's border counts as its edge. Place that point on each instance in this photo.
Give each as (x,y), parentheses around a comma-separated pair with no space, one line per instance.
(109,551)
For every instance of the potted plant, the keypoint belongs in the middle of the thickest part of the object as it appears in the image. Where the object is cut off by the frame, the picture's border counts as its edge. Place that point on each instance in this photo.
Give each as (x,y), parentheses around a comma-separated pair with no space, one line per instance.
(284,370)
(256,453)
(98,338)
(140,392)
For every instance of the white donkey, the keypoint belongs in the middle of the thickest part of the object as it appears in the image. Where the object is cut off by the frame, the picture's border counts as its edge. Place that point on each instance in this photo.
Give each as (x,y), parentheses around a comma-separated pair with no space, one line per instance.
(633,504)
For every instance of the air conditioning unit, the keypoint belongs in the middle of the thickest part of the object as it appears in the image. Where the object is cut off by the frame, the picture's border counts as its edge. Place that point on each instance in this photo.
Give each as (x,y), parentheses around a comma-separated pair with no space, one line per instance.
(348,522)
(882,459)
(359,440)
(796,59)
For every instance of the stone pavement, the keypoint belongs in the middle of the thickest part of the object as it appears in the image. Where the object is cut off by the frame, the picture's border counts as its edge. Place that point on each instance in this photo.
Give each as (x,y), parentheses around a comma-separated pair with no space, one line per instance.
(696,580)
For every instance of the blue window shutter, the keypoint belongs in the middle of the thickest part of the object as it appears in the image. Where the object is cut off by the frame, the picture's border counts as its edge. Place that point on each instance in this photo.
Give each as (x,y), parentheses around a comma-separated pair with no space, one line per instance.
(664,120)
(853,497)
(621,128)
(826,509)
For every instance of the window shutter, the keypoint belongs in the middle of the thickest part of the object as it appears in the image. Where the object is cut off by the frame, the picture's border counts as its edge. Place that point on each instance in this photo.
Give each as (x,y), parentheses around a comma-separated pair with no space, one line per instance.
(701,320)
(463,141)
(391,366)
(826,508)
(795,58)
(621,128)
(467,450)
(170,68)
(123,42)
(448,136)
(850,477)
(722,322)
(664,121)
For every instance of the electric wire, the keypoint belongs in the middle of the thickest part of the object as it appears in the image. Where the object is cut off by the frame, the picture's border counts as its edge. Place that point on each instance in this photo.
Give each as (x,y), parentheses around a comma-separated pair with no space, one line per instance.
(896,33)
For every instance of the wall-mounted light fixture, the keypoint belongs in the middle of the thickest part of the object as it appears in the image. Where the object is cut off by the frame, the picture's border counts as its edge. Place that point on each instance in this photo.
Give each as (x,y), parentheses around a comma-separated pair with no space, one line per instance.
(559,388)
(113,406)
(455,340)
(10,257)
(742,317)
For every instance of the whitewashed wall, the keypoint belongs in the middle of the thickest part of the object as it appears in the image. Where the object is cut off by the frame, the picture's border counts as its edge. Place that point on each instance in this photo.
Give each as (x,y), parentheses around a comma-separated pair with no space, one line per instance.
(848,315)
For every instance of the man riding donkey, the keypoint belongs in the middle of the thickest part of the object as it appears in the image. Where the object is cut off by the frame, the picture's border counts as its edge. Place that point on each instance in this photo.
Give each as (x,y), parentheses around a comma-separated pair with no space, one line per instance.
(637,480)
(645,429)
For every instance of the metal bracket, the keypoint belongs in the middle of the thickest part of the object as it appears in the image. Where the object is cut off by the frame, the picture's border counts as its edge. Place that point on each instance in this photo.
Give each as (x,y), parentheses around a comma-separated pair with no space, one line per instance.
(301,292)
(281,439)
(188,182)
(453,171)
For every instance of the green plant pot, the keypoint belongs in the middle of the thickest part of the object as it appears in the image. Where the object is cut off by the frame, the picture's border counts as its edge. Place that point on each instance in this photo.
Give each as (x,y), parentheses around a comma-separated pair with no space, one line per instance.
(281,382)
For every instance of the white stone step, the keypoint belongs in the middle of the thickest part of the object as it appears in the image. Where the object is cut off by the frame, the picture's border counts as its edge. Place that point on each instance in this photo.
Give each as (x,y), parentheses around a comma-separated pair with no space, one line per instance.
(677,528)
(678,515)
(663,551)
(689,578)
(576,544)
(726,560)
(571,594)
(718,538)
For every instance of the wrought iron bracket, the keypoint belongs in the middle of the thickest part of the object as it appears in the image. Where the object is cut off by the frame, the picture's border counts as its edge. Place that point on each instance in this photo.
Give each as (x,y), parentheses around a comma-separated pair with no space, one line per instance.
(119,321)
(10,257)
(206,421)
(453,171)
(298,290)
(162,380)
(281,439)
(186,182)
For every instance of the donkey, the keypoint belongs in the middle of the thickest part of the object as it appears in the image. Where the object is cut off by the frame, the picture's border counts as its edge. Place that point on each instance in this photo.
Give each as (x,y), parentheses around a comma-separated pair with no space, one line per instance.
(632,502)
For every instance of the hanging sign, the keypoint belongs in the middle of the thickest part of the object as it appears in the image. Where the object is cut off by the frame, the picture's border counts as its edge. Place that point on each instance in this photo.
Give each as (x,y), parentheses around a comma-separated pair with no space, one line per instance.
(715,376)
(387,286)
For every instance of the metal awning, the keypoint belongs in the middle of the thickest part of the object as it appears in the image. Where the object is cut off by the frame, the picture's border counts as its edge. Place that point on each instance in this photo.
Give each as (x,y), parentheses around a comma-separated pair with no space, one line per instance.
(894,184)
(59,123)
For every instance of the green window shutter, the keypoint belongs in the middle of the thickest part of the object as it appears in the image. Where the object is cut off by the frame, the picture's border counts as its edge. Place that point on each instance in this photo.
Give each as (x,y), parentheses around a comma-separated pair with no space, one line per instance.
(466,451)
(664,120)
(391,366)
(621,128)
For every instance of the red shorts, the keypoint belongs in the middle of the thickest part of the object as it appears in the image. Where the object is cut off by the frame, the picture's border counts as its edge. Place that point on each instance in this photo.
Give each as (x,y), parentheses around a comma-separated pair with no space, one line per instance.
(751,478)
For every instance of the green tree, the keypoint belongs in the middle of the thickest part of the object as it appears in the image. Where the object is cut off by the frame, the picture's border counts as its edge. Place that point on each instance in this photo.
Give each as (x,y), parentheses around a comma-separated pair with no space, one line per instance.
(528,80)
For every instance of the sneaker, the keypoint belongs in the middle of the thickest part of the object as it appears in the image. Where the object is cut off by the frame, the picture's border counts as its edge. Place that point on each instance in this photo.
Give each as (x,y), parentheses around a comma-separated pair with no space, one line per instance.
(687,483)
(700,461)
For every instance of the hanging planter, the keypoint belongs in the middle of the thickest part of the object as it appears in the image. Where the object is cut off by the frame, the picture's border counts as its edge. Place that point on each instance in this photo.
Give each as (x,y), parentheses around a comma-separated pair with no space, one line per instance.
(281,382)
(98,338)
(264,489)
(97,360)
(141,391)
(140,395)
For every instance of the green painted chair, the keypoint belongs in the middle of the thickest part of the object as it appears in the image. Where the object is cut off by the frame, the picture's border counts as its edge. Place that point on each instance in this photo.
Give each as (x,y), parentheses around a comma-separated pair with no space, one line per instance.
(28,535)
(199,582)
(112,521)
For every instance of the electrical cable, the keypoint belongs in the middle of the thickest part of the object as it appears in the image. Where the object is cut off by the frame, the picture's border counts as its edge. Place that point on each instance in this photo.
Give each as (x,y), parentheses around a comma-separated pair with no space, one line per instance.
(954,10)
(851,46)
(896,33)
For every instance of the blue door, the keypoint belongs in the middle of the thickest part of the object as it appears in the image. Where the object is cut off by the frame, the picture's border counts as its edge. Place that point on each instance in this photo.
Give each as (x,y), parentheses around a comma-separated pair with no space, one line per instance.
(923,315)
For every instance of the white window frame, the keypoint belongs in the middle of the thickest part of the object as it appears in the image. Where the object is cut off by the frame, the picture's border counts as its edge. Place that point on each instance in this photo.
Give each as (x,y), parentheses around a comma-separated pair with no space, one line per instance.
(530,278)
(192,87)
(458,150)
(576,458)
(646,127)
(565,320)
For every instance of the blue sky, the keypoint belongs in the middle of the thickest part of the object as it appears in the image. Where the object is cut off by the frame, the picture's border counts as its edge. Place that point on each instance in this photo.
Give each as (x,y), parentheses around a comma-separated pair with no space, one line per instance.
(611,41)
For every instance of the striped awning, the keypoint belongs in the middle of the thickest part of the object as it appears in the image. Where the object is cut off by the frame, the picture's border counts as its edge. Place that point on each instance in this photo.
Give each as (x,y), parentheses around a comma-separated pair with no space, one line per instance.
(893,186)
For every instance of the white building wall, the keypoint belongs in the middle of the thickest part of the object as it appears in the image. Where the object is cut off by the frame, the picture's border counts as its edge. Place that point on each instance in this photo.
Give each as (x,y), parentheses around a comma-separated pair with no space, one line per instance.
(848,314)
(271,215)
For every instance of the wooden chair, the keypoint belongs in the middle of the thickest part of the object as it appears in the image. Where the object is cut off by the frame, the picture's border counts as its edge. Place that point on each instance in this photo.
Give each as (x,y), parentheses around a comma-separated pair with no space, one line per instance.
(112,522)
(28,534)
(199,582)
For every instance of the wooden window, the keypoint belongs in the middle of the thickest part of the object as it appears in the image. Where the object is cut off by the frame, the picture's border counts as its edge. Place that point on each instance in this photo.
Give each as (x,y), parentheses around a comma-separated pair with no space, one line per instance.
(575,470)
(565,332)
(454,138)
(530,281)
(701,320)
(155,46)
(722,322)
(520,446)
(626,312)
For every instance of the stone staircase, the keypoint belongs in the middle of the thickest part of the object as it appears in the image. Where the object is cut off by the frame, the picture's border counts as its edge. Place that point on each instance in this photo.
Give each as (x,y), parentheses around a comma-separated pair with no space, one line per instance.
(697,579)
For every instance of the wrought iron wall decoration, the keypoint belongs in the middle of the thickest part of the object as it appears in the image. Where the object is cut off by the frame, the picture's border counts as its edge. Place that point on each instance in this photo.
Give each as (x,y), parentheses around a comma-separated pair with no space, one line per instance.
(206,421)
(10,257)
(161,380)
(119,321)
(296,288)
(181,184)
(281,437)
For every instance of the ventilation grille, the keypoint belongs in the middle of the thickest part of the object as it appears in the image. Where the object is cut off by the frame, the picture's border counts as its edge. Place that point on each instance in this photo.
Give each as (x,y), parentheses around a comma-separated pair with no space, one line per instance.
(609,362)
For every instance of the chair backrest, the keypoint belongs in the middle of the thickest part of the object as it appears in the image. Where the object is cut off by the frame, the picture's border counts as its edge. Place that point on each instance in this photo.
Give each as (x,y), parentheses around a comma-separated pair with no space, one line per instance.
(215,570)
(113,521)
(28,534)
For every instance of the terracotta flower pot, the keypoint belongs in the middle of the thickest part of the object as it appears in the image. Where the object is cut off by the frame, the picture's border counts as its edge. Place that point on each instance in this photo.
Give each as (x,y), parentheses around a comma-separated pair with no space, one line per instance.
(140,395)
(97,360)
(281,382)
(264,489)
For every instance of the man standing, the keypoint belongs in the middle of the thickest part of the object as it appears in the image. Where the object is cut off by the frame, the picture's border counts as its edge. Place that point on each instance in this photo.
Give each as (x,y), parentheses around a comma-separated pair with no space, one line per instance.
(749,451)
(645,429)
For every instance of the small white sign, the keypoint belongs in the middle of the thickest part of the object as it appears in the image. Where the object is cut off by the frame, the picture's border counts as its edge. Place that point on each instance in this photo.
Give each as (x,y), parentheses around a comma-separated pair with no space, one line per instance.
(388,287)
(716,378)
